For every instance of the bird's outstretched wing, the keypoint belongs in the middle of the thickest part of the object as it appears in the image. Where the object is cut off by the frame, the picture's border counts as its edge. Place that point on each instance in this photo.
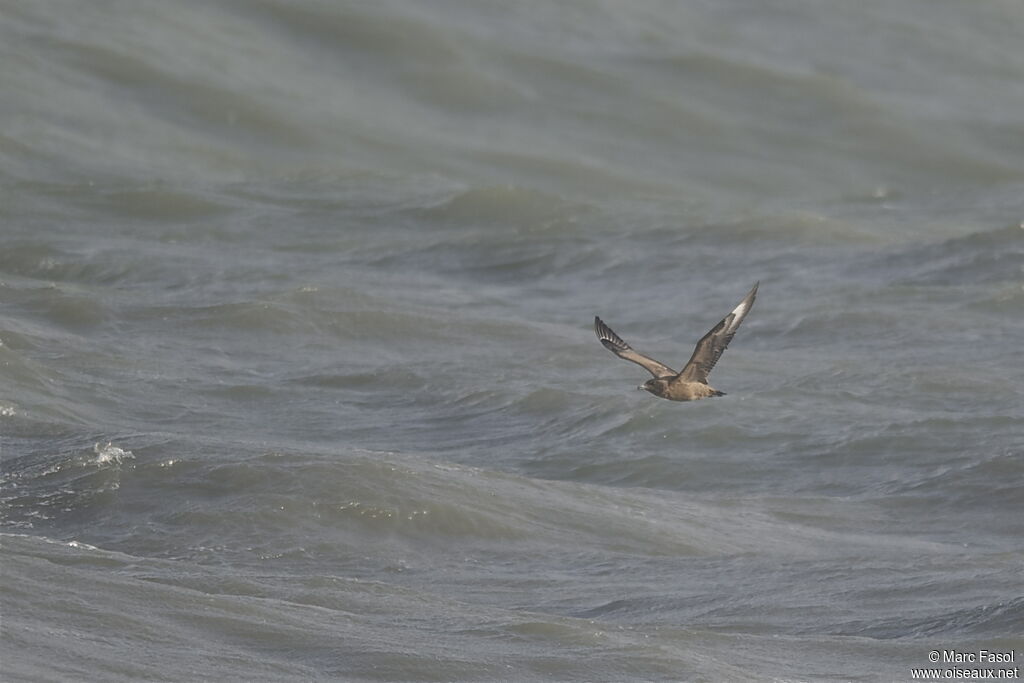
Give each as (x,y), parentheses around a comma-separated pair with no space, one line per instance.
(710,347)
(614,343)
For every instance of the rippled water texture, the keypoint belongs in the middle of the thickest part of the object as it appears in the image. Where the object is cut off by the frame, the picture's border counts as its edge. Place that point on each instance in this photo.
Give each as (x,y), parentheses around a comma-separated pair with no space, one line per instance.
(297,373)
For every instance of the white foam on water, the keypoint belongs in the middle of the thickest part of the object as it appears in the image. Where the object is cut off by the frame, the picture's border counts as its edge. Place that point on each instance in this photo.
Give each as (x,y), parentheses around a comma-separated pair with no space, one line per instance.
(109,453)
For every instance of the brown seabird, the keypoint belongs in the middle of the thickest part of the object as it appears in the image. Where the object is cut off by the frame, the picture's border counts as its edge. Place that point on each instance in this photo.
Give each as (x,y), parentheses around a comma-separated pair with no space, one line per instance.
(692,383)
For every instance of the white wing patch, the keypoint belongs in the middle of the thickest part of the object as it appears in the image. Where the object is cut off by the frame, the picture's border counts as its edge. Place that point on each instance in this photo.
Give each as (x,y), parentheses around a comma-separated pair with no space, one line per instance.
(741,311)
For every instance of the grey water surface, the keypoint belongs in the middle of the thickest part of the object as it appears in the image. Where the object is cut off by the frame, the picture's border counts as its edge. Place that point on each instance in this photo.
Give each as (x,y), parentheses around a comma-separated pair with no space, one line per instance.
(297,374)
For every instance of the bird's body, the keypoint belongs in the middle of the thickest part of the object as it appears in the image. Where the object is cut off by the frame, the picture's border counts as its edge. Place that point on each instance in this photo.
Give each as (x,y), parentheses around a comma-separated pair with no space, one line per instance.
(691,383)
(680,390)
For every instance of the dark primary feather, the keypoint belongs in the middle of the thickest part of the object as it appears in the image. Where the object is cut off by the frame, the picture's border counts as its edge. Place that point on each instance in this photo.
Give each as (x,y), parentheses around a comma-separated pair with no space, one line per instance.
(614,343)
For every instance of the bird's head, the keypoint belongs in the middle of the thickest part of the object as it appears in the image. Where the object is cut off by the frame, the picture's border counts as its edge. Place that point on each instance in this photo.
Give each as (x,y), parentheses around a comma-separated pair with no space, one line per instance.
(655,386)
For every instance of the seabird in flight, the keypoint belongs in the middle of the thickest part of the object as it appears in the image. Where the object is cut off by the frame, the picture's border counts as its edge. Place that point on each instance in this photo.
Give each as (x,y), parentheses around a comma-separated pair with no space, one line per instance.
(692,383)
